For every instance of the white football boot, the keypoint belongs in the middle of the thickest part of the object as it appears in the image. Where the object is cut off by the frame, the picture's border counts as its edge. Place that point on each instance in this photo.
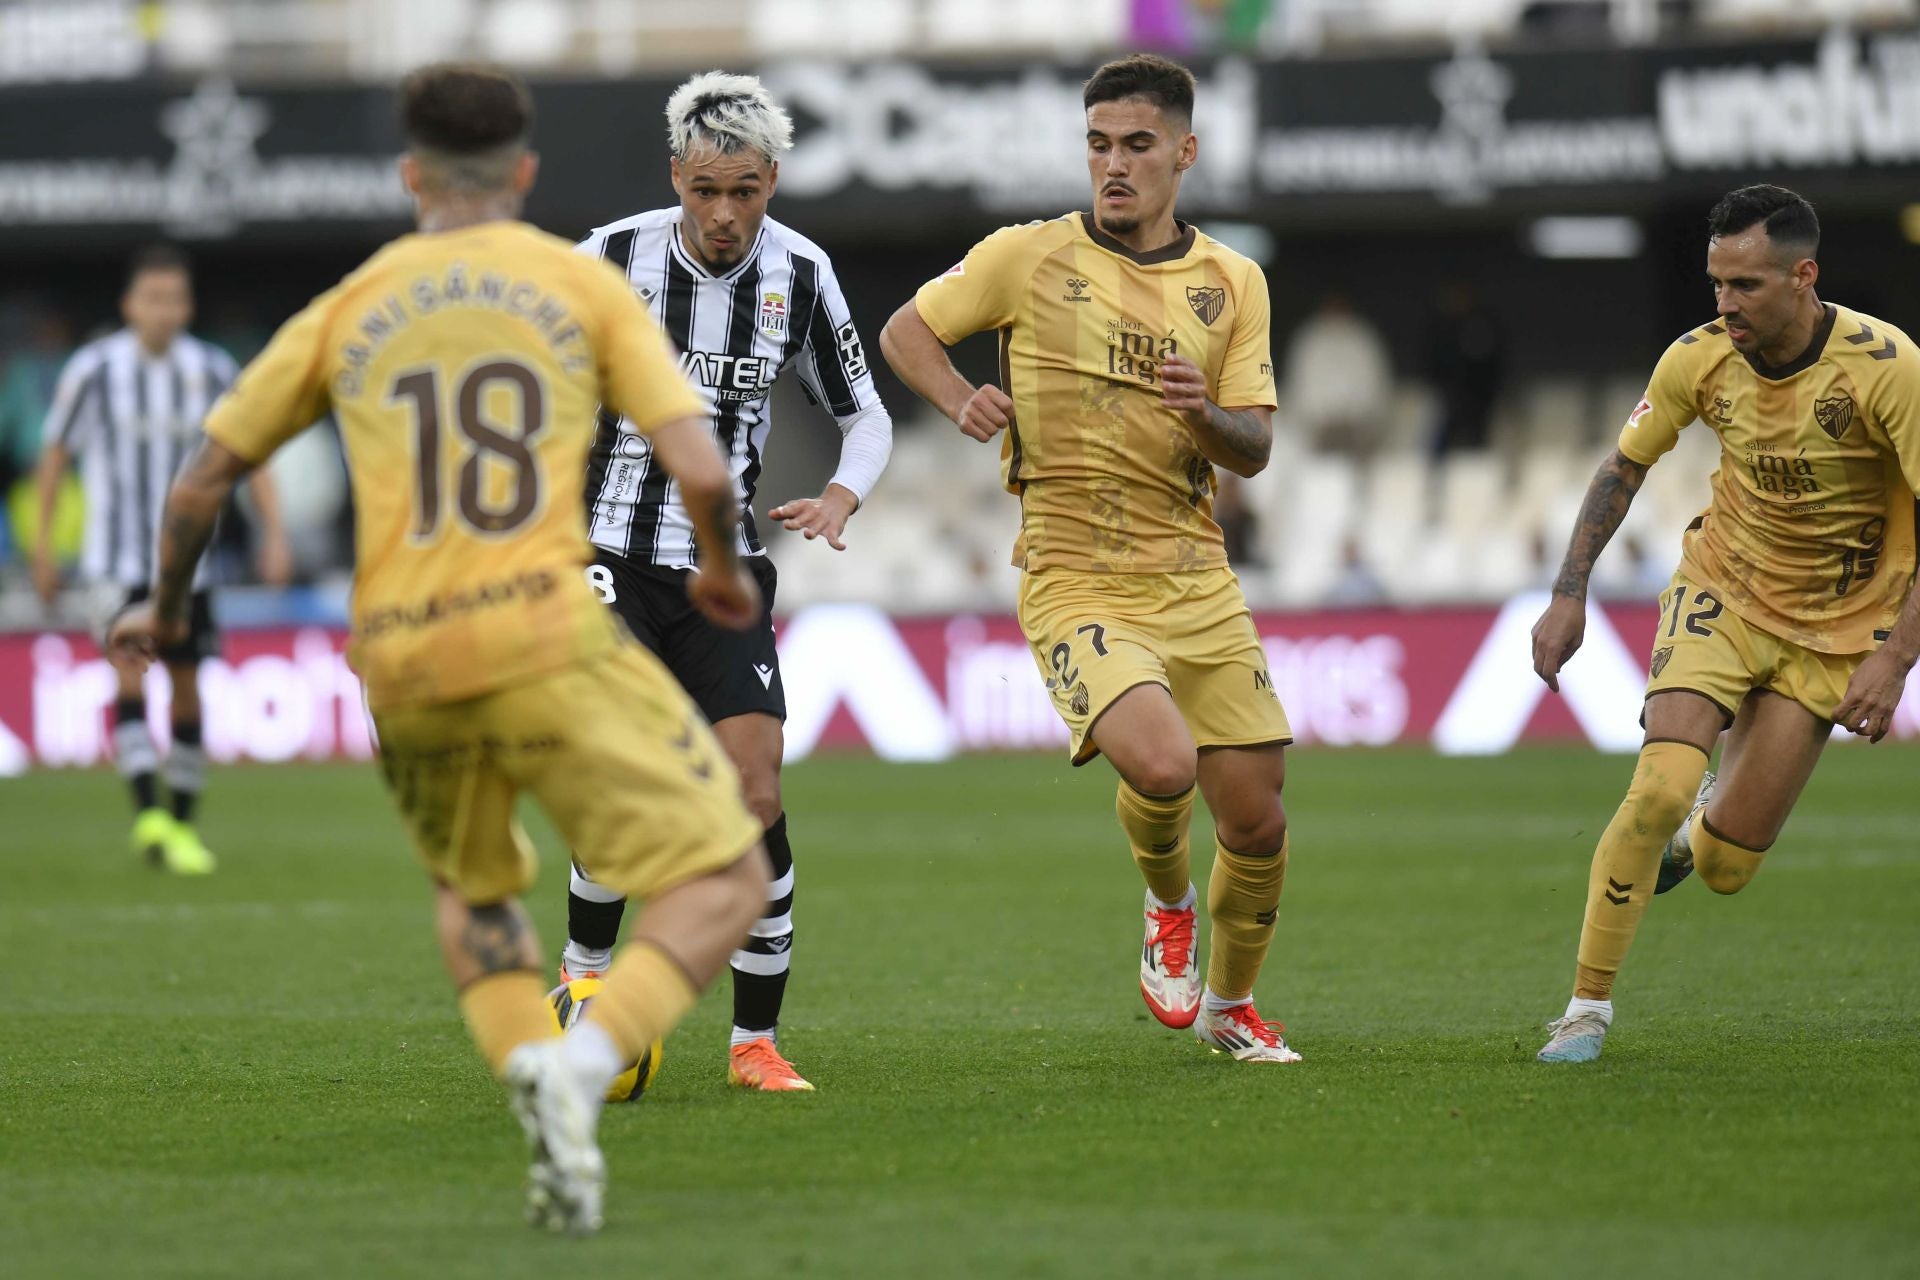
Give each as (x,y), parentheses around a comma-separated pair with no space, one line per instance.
(1168,981)
(568,1175)
(1578,1037)
(1240,1031)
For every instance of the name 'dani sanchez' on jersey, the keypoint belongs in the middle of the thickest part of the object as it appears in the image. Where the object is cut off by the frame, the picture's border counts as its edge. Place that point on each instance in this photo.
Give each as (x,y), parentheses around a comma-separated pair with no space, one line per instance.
(730,378)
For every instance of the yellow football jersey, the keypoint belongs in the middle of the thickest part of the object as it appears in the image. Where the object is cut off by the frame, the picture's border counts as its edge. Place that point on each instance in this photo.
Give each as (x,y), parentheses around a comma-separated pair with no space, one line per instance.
(464,369)
(1809,534)
(1109,478)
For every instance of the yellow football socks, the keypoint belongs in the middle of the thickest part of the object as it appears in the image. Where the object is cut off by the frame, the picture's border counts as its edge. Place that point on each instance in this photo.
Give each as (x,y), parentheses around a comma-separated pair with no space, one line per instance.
(504,1011)
(1626,864)
(646,995)
(1243,897)
(1724,866)
(1156,828)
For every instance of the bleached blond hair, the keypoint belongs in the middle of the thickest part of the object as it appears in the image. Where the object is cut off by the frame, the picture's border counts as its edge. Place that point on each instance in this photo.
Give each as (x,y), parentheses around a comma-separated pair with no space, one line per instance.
(728,113)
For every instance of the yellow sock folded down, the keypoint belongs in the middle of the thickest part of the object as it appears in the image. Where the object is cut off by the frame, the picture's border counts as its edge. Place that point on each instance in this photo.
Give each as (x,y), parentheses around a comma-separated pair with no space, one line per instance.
(504,1011)
(1626,863)
(645,996)
(1156,828)
(1243,899)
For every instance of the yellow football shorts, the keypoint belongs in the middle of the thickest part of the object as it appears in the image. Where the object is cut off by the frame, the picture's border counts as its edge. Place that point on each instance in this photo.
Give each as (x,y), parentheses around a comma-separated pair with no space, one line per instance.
(1097,635)
(614,751)
(1703,647)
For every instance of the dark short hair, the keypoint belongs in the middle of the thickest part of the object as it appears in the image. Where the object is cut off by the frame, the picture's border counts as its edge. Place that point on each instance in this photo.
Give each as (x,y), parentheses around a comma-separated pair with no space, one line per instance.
(157,257)
(1161,81)
(465,108)
(1787,218)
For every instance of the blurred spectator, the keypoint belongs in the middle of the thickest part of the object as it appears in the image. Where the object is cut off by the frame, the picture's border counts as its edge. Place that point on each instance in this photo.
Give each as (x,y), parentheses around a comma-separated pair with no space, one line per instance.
(1339,380)
(1187,26)
(1356,584)
(26,389)
(1466,360)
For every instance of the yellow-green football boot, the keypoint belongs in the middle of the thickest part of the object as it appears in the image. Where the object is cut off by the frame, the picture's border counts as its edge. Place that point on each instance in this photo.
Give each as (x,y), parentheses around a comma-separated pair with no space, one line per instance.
(183,853)
(152,828)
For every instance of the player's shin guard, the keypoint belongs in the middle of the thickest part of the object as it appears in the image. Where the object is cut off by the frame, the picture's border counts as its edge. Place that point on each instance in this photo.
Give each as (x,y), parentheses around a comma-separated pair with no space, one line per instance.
(1723,866)
(134,754)
(1156,828)
(760,965)
(1243,898)
(1626,863)
(505,1010)
(646,995)
(594,913)
(186,769)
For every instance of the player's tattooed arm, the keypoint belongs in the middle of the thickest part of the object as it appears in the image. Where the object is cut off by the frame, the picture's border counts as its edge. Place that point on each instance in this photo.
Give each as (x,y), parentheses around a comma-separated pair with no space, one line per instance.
(1605,506)
(193,507)
(1241,440)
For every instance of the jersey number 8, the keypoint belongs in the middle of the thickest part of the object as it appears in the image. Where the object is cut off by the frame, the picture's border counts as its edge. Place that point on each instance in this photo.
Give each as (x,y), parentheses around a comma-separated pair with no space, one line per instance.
(511,450)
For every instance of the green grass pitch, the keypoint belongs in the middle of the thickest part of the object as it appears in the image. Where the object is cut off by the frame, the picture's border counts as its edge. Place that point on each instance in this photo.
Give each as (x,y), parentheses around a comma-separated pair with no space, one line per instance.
(263,1074)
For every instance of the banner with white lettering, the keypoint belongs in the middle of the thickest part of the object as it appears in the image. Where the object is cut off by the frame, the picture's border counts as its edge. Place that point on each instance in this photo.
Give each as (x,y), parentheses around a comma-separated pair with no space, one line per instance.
(921,689)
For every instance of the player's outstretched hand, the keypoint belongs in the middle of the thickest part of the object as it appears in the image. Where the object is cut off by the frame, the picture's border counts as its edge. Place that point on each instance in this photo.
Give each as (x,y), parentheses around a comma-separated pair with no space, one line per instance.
(726,598)
(137,634)
(1557,636)
(1182,385)
(987,412)
(1872,695)
(822,517)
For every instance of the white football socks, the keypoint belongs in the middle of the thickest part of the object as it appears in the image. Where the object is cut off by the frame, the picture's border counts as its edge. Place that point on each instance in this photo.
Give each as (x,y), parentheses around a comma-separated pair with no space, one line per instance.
(1181,905)
(1219,1004)
(581,961)
(1603,1008)
(591,1056)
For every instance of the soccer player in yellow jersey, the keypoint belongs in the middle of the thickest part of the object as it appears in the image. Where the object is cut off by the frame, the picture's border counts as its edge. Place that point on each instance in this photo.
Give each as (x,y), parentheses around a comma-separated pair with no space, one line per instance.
(1792,609)
(1134,358)
(464,364)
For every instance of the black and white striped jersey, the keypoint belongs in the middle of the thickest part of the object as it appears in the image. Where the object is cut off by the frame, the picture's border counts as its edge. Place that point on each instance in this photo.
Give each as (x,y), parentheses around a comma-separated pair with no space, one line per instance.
(132,417)
(779,307)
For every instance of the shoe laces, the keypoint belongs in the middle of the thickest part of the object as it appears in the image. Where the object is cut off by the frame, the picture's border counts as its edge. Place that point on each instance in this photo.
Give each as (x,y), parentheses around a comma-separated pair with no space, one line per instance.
(1573,1024)
(1173,934)
(761,1056)
(1248,1019)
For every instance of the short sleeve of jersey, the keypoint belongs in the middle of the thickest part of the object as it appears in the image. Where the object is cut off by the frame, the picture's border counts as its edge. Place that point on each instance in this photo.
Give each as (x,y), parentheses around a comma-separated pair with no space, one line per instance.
(76,402)
(280,393)
(1898,408)
(833,363)
(639,376)
(979,292)
(1664,411)
(1246,376)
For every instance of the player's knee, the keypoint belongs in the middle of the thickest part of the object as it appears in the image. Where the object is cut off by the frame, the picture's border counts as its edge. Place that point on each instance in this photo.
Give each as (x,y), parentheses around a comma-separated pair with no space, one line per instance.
(749,878)
(761,790)
(1659,802)
(1163,773)
(1257,830)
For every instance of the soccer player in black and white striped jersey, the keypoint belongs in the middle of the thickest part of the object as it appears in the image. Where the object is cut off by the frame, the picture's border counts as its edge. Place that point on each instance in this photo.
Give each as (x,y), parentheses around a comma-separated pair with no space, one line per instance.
(743,298)
(129,407)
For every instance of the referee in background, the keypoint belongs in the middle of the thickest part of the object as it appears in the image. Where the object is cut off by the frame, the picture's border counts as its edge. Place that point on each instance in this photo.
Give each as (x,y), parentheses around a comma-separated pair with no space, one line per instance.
(129,407)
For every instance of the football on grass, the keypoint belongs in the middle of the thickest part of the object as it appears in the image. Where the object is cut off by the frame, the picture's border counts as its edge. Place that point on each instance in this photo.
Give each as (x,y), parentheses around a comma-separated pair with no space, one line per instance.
(569,1003)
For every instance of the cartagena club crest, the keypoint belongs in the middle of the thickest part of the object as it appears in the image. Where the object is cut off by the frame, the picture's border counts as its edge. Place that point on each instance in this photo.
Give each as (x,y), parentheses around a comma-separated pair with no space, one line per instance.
(1834,414)
(1206,303)
(773,315)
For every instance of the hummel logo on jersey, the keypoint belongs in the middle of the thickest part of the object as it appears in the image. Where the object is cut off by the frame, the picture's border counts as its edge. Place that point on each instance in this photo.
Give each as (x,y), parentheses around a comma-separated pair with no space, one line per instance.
(765,674)
(1076,291)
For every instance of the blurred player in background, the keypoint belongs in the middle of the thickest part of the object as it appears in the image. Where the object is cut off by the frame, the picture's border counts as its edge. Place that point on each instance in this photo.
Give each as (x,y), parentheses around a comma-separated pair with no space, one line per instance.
(464,365)
(130,407)
(743,298)
(1135,357)
(1792,609)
